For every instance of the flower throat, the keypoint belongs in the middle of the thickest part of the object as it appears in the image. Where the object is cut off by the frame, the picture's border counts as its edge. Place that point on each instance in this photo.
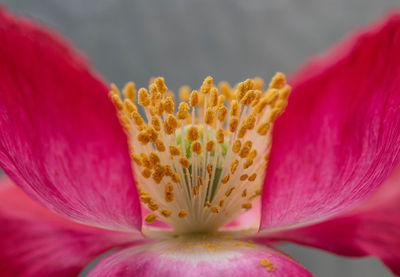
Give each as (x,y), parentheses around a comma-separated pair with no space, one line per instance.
(199,168)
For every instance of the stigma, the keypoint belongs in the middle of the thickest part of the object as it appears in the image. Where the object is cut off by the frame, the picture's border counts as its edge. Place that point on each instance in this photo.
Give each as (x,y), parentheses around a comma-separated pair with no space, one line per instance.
(201,163)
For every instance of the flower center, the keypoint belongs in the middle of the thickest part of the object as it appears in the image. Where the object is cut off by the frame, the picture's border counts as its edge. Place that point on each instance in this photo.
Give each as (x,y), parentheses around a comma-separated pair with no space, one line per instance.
(199,168)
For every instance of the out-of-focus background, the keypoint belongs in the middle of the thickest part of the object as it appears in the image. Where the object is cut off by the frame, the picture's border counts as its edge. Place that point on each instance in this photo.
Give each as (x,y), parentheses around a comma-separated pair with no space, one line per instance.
(186,40)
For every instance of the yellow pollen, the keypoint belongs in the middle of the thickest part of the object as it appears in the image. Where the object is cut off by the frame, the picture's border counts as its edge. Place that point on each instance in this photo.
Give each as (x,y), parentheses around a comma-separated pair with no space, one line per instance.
(252,177)
(174,151)
(246,206)
(233,124)
(129,91)
(182,213)
(209,116)
(228,192)
(236,146)
(212,99)
(243,177)
(207,84)
(194,98)
(192,133)
(184,162)
(143,97)
(210,146)
(278,81)
(196,147)
(234,165)
(150,218)
(234,108)
(220,136)
(221,114)
(165,212)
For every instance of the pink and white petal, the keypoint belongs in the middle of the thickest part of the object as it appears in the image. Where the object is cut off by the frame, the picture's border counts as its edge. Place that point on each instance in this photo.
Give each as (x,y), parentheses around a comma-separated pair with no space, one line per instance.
(339,138)
(372,229)
(202,258)
(37,242)
(60,139)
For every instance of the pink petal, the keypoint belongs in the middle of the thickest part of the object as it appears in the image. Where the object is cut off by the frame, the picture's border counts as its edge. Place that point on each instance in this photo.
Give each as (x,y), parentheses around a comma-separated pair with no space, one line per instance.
(60,139)
(36,242)
(177,259)
(339,138)
(372,229)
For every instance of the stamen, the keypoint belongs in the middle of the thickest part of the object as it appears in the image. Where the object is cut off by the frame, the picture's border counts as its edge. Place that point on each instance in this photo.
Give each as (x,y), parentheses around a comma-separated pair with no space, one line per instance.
(204,165)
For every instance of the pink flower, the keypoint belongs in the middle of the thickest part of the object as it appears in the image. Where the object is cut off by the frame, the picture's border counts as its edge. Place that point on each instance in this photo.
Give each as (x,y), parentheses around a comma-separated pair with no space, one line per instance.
(61,142)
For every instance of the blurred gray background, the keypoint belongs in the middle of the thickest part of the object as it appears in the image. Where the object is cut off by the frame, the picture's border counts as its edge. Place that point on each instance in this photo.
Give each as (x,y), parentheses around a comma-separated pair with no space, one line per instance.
(186,40)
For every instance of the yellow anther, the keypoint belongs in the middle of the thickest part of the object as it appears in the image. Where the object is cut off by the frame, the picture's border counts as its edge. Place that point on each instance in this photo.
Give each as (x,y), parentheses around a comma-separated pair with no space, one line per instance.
(242,131)
(243,177)
(219,136)
(246,206)
(221,100)
(233,124)
(145,197)
(184,162)
(195,190)
(212,99)
(244,193)
(172,121)
(214,210)
(183,111)
(252,177)
(237,144)
(146,172)
(257,98)
(258,83)
(114,89)
(152,206)
(207,85)
(116,100)
(229,191)
(153,135)
(245,150)
(210,146)
(225,179)
(165,212)
(274,114)
(221,203)
(184,93)
(225,89)
(263,128)
(208,204)
(168,104)
(143,97)
(234,165)
(192,133)
(143,137)
(284,92)
(221,113)
(194,98)
(129,91)
(208,168)
(160,146)
(280,104)
(146,161)
(248,98)
(160,83)
(150,218)
(200,181)
(168,171)
(129,106)
(196,147)
(252,154)
(175,178)
(234,108)
(182,213)
(247,163)
(250,122)
(137,159)
(158,173)
(278,81)
(168,197)
(243,88)
(156,123)
(174,151)
(209,116)
(137,119)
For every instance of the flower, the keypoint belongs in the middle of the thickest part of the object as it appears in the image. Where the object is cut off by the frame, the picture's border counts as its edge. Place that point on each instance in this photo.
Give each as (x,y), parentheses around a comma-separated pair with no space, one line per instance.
(62,143)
